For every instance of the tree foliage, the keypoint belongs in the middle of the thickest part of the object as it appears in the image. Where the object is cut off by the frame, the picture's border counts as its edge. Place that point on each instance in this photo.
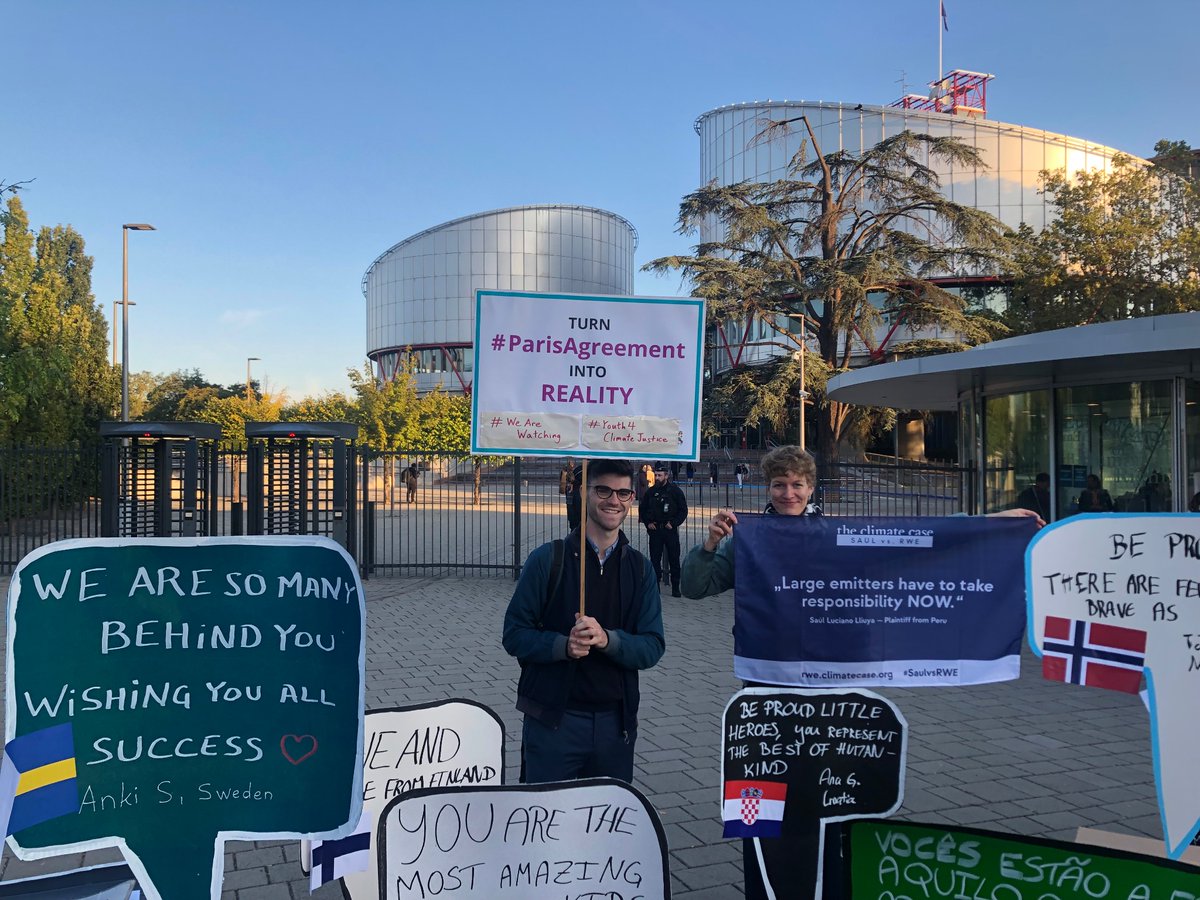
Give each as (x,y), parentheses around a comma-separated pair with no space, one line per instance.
(178,397)
(55,381)
(233,412)
(1123,244)
(1175,156)
(842,248)
(329,407)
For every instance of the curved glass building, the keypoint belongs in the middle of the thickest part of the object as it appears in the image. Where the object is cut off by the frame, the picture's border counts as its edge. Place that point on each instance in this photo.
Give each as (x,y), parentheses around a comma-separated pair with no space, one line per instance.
(420,293)
(1116,401)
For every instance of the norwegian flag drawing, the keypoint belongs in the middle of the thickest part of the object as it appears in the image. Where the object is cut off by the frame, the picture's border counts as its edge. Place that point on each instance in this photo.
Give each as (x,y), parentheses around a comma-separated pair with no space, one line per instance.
(754,808)
(1093,654)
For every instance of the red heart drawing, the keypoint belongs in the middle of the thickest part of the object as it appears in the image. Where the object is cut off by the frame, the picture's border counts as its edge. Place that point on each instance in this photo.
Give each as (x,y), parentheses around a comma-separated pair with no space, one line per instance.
(297,742)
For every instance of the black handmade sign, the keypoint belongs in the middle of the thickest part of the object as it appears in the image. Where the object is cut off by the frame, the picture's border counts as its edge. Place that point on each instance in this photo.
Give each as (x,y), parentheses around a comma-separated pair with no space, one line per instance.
(794,759)
(202,689)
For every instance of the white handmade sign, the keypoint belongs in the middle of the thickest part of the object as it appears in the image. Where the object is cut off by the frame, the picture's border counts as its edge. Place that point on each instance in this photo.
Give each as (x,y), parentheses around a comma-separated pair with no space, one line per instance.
(1113,597)
(450,743)
(592,838)
(573,375)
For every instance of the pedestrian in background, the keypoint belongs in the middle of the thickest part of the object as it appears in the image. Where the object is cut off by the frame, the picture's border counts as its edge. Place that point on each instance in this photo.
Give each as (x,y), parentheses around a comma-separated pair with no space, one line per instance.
(566,487)
(411,475)
(662,511)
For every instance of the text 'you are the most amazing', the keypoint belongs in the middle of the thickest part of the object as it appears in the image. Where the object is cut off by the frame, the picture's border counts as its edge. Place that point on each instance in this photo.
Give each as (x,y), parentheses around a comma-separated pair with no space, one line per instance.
(210,689)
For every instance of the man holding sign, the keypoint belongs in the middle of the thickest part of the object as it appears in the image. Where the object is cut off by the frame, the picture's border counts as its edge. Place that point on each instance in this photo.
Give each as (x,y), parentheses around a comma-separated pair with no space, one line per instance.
(579,684)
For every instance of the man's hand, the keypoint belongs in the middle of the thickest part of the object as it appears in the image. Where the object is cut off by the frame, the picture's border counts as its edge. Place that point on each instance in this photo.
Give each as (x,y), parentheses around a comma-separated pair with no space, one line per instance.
(651,526)
(576,649)
(586,634)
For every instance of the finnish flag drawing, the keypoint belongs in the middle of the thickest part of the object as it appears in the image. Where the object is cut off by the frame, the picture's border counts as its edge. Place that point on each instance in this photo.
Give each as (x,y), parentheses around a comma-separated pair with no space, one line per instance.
(754,808)
(335,859)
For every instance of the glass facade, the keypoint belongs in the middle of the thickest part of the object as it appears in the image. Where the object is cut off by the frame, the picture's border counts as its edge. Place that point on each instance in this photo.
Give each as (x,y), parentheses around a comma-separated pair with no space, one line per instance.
(1107,447)
(1123,435)
(1008,188)
(1016,446)
(420,294)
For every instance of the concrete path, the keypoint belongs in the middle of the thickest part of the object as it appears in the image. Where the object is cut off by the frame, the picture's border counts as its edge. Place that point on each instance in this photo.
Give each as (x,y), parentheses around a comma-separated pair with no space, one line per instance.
(1031,757)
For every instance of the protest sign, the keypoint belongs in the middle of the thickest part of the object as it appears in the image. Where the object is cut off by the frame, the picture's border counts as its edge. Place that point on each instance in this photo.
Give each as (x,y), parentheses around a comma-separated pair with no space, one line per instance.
(450,743)
(596,838)
(1113,595)
(906,602)
(904,859)
(793,760)
(213,689)
(573,375)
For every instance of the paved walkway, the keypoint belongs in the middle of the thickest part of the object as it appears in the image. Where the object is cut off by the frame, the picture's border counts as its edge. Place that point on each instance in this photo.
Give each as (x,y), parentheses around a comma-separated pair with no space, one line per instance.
(1031,757)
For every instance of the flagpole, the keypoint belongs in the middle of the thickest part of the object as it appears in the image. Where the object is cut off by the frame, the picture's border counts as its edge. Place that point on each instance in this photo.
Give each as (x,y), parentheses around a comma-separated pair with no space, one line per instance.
(939,30)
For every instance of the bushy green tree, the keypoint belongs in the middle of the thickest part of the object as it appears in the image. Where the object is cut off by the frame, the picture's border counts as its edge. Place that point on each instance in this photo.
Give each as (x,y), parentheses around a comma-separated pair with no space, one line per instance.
(233,412)
(1123,244)
(179,396)
(55,381)
(329,407)
(813,253)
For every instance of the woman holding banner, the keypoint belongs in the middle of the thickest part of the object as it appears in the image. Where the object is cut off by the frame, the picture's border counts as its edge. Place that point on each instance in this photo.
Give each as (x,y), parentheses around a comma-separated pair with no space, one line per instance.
(791,476)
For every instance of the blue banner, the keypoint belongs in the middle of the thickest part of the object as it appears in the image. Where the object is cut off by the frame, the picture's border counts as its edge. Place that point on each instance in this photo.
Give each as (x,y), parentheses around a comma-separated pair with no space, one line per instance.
(833,602)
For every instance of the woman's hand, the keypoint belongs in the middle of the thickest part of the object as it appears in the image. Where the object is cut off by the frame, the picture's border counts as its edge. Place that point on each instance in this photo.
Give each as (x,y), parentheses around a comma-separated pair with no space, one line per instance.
(719,528)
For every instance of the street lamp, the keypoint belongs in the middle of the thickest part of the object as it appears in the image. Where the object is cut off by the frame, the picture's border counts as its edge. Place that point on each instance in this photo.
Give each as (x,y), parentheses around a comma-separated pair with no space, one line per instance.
(116,303)
(799,355)
(125,229)
(250,359)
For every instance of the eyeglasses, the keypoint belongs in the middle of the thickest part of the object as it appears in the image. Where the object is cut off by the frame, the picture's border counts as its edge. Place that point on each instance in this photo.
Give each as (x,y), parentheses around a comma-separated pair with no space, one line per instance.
(604,492)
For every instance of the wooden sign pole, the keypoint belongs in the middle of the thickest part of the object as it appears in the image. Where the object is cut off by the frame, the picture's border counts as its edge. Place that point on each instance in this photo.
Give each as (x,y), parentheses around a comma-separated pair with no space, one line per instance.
(583,548)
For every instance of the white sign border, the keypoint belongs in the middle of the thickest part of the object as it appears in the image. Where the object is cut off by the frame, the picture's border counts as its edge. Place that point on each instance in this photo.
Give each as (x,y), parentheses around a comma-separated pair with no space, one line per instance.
(577,452)
(117,842)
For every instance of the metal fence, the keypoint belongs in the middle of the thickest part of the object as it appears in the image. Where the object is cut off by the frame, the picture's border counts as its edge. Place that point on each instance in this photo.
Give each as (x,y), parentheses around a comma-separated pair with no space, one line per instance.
(458,524)
(459,520)
(46,495)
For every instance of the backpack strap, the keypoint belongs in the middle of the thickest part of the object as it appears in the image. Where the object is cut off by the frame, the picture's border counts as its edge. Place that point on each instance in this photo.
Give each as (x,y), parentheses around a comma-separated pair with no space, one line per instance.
(638,561)
(557,554)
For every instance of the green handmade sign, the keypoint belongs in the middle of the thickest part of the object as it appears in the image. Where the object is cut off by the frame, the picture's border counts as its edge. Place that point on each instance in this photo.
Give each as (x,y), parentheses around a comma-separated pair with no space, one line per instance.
(895,860)
(213,689)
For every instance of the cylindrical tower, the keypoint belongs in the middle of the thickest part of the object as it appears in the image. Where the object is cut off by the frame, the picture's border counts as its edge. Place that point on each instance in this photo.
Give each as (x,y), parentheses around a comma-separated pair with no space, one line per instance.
(731,151)
(420,294)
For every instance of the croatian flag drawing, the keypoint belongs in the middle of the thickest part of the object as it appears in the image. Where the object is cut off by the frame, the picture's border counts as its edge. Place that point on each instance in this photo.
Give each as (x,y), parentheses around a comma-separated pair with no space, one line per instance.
(754,808)
(1093,654)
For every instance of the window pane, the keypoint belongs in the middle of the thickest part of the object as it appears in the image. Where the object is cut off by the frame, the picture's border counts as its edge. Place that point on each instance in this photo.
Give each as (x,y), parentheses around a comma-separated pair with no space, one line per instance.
(1120,434)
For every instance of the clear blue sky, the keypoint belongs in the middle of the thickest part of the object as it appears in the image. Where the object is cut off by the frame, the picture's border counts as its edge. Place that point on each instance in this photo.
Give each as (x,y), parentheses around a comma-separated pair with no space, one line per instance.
(279,147)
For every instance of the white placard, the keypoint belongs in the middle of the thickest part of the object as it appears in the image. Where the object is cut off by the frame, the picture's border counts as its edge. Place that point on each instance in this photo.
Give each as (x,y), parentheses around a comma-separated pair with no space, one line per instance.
(574,375)
(443,744)
(1141,573)
(593,838)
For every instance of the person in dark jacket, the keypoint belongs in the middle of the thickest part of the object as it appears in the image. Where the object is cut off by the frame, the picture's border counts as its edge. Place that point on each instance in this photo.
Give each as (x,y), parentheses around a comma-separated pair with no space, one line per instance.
(579,672)
(662,510)
(1037,496)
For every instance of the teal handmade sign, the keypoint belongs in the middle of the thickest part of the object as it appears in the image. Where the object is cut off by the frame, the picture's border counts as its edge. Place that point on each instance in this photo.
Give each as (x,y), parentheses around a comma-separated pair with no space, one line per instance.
(210,689)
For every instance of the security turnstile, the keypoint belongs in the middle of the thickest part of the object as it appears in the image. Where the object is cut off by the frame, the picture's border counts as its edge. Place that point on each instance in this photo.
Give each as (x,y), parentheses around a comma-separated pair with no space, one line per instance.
(302,479)
(158,479)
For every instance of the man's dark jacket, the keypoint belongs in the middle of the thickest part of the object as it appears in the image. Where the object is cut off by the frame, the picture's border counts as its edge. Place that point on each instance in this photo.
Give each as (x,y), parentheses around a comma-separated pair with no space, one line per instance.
(635,642)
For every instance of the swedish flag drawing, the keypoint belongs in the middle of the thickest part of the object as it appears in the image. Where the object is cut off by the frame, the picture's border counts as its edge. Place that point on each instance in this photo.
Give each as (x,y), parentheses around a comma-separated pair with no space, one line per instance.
(37,778)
